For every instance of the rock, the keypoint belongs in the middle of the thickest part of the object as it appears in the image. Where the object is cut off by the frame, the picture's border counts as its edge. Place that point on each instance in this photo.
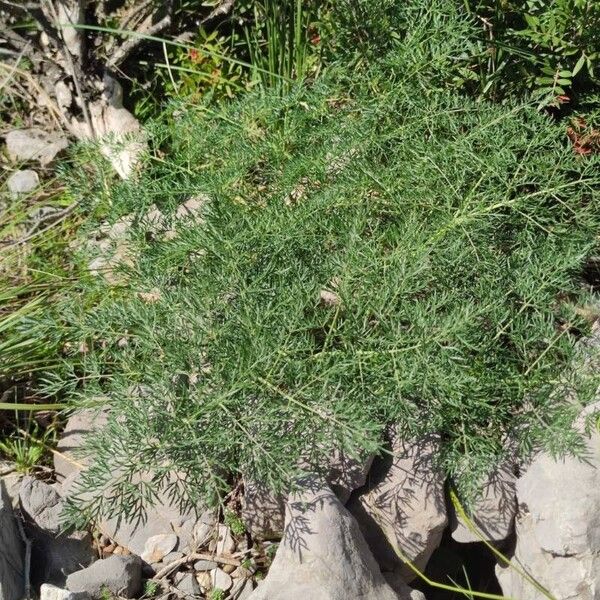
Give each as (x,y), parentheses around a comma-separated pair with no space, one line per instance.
(172,557)
(322,555)
(347,473)
(493,512)
(263,511)
(51,592)
(186,583)
(80,424)
(402,510)
(225,541)
(558,527)
(121,575)
(34,144)
(241,590)
(205,565)
(220,580)
(396,582)
(55,552)
(158,546)
(122,139)
(11,551)
(64,96)
(22,182)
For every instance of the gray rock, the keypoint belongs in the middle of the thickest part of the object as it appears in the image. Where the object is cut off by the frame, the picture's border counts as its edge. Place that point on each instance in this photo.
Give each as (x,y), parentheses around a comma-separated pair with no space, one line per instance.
(121,575)
(56,552)
(558,527)
(34,144)
(220,580)
(67,461)
(322,555)
(51,592)
(205,565)
(263,511)
(158,546)
(241,589)
(186,583)
(22,182)
(163,519)
(11,551)
(347,473)
(493,512)
(402,510)
(172,557)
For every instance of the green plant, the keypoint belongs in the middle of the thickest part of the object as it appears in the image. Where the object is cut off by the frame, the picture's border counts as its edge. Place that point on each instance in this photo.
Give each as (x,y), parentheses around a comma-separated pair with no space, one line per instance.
(234,522)
(202,70)
(543,47)
(217,594)
(447,235)
(151,588)
(281,38)
(24,452)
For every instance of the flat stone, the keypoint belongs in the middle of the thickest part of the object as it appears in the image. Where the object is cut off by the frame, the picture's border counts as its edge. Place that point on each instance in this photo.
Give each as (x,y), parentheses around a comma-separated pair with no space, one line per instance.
(80,424)
(172,557)
(121,575)
(186,583)
(225,541)
(242,589)
(11,551)
(158,546)
(205,565)
(22,182)
(34,144)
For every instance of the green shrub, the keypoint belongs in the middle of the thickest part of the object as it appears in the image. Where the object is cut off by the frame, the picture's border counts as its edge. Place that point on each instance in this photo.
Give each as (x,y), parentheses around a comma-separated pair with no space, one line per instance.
(448,235)
(538,46)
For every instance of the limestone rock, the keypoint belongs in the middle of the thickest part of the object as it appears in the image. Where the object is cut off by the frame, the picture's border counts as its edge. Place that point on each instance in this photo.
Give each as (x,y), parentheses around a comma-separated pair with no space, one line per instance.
(11,551)
(55,552)
(51,592)
(121,575)
(22,182)
(34,144)
(322,555)
(186,583)
(158,546)
(263,511)
(347,473)
(402,510)
(67,461)
(558,528)
(493,512)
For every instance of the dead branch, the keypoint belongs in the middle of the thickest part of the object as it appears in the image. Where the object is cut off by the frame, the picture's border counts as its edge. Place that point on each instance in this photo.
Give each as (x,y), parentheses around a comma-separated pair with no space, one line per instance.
(219,11)
(145,29)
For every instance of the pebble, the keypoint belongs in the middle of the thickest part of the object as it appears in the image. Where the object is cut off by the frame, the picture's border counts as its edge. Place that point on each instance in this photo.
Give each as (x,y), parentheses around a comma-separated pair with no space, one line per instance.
(225,542)
(221,580)
(172,557)
(186,583)
(204,580)
(158,546)
(229,568)
(205,565)
(22,182)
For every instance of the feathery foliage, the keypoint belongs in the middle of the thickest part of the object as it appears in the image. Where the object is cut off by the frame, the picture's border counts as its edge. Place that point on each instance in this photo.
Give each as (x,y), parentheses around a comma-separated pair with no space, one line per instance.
(449,235)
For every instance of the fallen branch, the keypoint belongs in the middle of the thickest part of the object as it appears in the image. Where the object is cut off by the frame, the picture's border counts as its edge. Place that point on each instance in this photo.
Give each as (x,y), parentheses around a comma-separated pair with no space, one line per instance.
(224,560)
